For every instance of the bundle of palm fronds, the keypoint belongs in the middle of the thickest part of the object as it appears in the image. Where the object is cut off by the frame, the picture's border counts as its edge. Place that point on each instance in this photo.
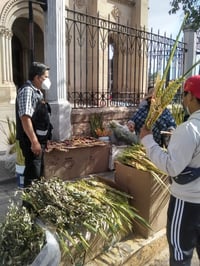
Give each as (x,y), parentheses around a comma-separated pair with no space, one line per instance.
(162,96)
(79,213)
(135,156)
(178,113)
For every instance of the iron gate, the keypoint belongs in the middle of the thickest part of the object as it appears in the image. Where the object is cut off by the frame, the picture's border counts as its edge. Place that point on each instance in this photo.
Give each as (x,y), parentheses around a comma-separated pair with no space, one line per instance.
(109,64)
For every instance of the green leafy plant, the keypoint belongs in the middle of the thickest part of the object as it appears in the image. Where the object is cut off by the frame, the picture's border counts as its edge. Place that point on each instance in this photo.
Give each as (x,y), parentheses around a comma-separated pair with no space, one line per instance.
(190,7)
(81,214)
(96,122)
(11,140)
(10,134)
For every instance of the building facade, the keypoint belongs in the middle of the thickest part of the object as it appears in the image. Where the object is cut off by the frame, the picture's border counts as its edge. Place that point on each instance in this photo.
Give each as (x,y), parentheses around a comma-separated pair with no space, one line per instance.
(96,50)
(22,33)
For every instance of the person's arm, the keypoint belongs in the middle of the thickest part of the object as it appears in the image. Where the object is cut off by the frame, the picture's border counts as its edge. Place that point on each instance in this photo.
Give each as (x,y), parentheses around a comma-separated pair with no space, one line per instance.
(28,128)
(179,152)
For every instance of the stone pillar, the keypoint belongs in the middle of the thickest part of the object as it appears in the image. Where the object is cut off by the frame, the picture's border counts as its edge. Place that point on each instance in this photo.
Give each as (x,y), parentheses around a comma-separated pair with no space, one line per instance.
(190,55)
(5,40)
(55,57)
(7,87)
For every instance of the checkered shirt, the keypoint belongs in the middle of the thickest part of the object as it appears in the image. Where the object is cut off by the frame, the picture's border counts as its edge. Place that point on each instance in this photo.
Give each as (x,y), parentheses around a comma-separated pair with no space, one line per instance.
(164,122)
(27,98)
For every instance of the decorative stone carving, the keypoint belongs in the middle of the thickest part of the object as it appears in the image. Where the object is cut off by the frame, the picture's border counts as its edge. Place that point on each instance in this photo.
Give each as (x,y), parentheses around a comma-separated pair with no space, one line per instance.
(125,2)
(5,10)
(116,13)
(80,3)
(5,32)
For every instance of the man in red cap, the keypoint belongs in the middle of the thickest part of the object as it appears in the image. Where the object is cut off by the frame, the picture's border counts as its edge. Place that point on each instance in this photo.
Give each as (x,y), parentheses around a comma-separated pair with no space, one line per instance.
(182,163)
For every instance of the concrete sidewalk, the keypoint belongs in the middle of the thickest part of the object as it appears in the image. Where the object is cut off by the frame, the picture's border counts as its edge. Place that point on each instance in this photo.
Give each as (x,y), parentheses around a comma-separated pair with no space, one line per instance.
(141,252)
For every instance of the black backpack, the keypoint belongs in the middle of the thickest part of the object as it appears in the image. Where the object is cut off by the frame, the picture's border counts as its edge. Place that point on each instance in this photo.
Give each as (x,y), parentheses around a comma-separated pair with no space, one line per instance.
(41,121)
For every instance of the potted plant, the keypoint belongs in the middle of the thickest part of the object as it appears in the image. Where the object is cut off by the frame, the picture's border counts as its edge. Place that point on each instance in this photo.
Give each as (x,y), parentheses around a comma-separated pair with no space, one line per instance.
(98,129)
(9,131)
(20,165)
(14,159)
(103,134)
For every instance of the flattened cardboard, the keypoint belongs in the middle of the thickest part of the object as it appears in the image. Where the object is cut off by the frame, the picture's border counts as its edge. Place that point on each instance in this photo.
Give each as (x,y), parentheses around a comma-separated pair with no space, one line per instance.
(149,198)
(76,162)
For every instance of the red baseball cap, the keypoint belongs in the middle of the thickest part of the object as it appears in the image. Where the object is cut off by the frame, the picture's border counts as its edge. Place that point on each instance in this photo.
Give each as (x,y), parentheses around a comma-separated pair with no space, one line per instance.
(192,85)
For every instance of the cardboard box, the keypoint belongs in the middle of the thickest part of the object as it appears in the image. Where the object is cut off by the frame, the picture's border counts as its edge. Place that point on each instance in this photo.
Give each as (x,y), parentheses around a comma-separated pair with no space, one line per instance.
(76,161)
(149,198)
(115,151)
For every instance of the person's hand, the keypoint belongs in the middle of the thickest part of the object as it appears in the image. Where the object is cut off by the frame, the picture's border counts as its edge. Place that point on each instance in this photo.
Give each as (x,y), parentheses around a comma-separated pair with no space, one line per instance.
(36,148)
(131,126)
(144,132)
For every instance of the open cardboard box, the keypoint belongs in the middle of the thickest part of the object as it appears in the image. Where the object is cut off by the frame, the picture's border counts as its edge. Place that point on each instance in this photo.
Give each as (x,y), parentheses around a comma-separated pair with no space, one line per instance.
(149,197)
(115,151)
(76,162)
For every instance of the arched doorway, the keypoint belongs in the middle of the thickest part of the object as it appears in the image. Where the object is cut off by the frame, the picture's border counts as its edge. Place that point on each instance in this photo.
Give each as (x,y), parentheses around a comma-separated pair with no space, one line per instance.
(21,49)
(17,61)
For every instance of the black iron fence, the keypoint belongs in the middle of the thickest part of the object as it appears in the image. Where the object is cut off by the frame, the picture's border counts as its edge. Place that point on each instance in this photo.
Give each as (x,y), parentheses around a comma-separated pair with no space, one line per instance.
(109,64)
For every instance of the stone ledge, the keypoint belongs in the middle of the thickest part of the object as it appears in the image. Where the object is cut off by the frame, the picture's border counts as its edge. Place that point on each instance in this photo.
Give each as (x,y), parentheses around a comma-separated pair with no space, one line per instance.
(134,251)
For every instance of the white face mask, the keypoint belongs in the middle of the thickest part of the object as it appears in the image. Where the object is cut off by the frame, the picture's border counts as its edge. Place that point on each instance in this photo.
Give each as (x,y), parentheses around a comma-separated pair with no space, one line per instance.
(46,84)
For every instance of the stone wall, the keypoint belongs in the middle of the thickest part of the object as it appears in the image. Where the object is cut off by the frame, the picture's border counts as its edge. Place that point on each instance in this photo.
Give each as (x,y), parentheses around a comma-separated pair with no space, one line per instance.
(80,118)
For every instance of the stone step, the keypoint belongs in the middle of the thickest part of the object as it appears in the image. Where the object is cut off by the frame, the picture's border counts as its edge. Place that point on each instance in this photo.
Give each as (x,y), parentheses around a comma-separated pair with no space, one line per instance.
(134,251)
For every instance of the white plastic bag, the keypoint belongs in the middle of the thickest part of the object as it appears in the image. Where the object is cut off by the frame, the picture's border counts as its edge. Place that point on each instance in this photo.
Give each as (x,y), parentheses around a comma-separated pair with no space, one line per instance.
(50,254)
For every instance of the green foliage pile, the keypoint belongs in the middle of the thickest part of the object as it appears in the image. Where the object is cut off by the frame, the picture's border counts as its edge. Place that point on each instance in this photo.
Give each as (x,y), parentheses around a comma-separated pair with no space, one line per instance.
(78,213)
(20,238)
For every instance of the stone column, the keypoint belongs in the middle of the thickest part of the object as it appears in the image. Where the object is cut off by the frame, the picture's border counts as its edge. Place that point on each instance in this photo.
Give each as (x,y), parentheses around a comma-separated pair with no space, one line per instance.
(190,55)
(7,87)
(55,57)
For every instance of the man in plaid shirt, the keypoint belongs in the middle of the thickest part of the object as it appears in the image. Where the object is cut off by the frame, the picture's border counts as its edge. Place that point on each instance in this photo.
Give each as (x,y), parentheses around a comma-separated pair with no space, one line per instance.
(165,122)
(28,98)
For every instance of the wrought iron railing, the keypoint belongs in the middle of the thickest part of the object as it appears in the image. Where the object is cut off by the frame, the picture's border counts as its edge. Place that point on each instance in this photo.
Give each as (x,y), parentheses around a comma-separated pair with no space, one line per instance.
(109,64)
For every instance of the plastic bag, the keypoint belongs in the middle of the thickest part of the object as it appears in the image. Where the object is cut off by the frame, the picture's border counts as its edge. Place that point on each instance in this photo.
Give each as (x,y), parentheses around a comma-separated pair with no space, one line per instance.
(10,160)
(122,133)
(50,254)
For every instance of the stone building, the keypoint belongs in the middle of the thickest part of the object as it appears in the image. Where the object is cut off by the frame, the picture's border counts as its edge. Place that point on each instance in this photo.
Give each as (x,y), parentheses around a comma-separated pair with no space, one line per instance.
(35,30)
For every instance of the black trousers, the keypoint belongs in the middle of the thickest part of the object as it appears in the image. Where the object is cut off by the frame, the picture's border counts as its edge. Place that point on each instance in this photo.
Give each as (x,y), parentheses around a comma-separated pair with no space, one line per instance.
(183,231)
(34,165)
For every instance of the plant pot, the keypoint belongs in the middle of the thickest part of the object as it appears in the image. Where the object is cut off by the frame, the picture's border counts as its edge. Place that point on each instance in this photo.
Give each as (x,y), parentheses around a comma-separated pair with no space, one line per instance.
(105,138)
(19,169)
